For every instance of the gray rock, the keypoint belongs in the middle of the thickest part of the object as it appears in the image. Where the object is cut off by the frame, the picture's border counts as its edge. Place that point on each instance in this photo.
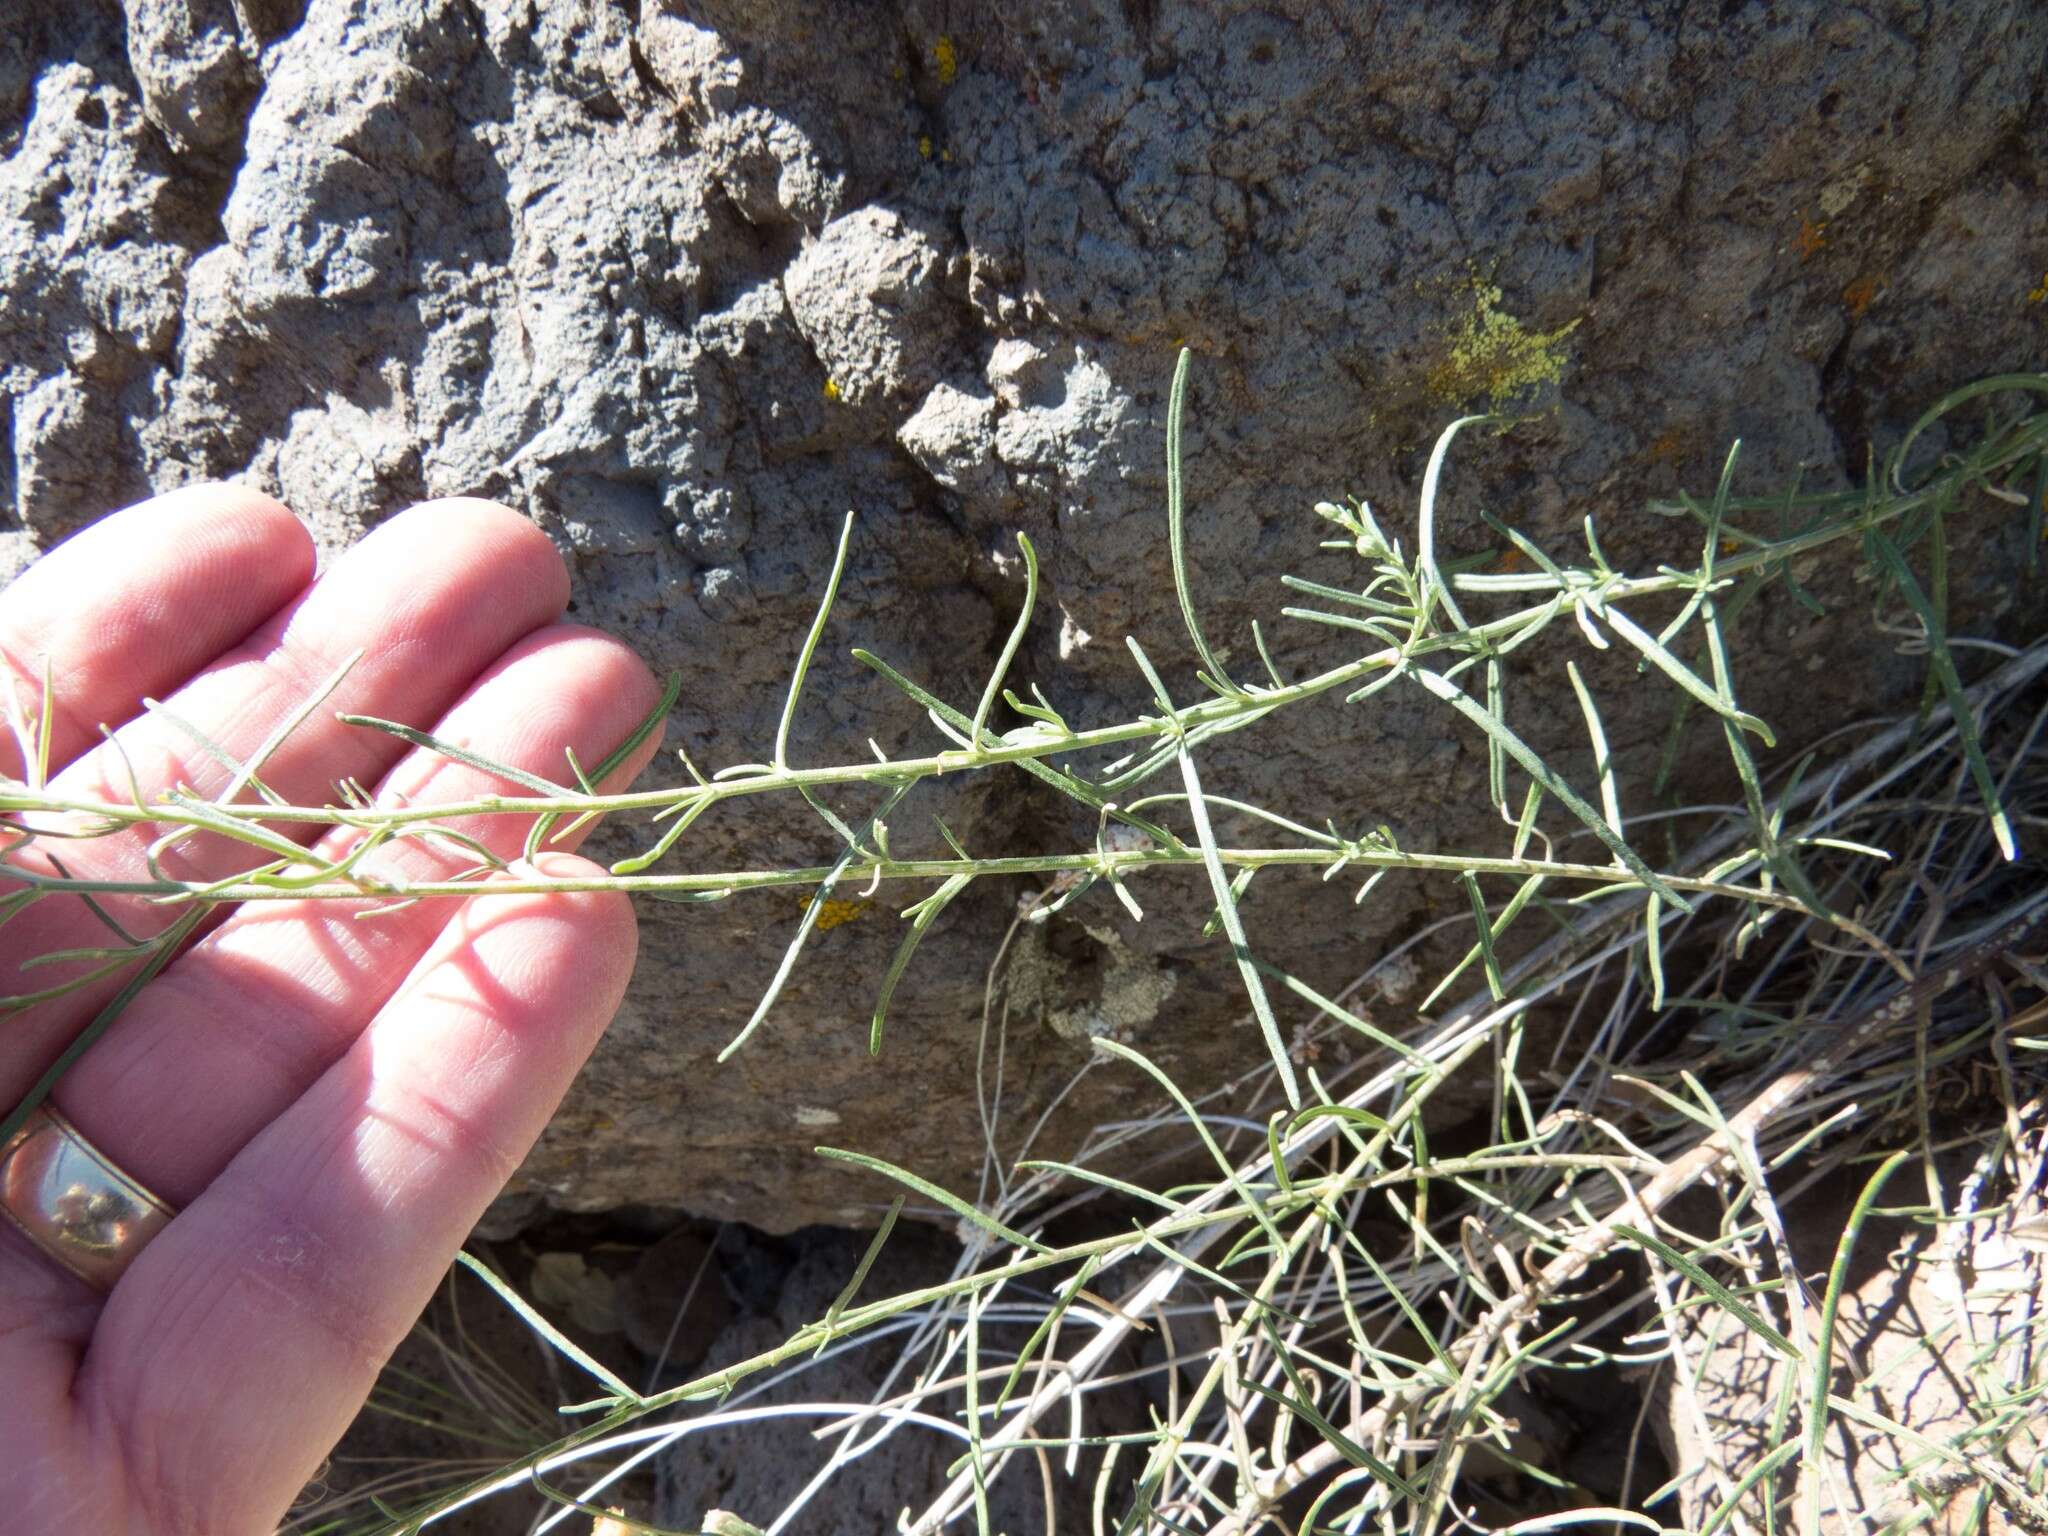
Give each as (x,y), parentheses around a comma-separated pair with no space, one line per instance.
(604,262)
(673,1303)
(1930,1322)
(194,67)
(867,296)
(952,436)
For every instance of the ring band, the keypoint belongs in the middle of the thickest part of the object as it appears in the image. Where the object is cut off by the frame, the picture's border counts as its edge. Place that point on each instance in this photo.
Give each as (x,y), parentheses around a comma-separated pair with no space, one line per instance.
(72,1202)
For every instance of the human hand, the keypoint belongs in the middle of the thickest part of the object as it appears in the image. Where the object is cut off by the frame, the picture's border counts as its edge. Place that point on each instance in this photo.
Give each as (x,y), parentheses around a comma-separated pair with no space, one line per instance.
(327,1102)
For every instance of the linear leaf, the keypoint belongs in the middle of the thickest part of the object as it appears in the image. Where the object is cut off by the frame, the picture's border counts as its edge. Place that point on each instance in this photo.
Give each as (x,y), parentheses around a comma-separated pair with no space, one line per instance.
(1002,668)
(928,912)
(813,909)
(931,1191)
(1233,928)
(1175,516)
(562,1343)
(649,724)
(1538,770)
(1823,1362)
(1661,658)
(810,645)
(1940,659)
(168,944)
(1603,759)
(1253,1204)
(1721,1296)
(1065,783)
(463,755)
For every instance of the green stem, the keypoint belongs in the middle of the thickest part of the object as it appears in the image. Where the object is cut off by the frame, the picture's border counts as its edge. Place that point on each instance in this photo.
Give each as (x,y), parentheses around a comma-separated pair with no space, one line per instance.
(732,882)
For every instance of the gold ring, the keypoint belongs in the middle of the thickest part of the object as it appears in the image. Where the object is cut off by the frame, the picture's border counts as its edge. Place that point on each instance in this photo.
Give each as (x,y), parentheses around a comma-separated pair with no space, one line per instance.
(72,1202)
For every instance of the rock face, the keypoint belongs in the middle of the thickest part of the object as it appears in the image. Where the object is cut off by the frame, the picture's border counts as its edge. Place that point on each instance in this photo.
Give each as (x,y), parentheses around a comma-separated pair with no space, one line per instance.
(1933,1329)
(687,281)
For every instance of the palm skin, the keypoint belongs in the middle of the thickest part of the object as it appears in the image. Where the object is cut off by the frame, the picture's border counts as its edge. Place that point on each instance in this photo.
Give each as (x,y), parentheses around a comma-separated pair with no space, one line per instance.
(328,1102)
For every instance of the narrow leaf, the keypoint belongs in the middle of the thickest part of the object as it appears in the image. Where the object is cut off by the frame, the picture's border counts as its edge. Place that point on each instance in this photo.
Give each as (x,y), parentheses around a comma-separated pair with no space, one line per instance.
(1940,659)
(813,909)
(1233,928)
(1535,767)
(1662,659)
(1175,516)
(563,1345)
(933,1192)
(1002,668)
(1718,1293)
(810,646)
(463,755)
(928,912)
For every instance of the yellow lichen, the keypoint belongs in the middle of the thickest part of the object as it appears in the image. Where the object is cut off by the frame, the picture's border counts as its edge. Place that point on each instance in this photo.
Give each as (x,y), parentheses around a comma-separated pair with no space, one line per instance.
(1489,355)
(946,60)
(831,390)
(924,145)
(834,912)
(2040,294)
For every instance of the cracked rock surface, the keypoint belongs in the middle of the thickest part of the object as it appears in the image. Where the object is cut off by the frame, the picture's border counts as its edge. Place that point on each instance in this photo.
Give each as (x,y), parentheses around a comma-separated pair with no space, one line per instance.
(688,281)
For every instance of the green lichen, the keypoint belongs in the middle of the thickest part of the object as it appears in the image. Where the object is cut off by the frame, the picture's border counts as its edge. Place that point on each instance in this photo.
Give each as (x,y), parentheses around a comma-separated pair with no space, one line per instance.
(1488,356)
(1114,1001)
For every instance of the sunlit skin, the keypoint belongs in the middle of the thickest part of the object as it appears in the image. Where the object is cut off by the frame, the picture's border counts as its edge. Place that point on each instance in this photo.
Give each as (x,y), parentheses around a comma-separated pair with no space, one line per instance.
(329,1102)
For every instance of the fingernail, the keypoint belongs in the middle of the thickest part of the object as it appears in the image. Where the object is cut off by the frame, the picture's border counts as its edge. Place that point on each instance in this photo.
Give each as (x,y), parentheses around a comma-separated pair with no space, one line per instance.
(559,866)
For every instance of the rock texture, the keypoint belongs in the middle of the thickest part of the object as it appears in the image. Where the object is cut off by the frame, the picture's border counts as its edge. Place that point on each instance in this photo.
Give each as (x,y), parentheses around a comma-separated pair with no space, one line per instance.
(686,281)
(1933,1334)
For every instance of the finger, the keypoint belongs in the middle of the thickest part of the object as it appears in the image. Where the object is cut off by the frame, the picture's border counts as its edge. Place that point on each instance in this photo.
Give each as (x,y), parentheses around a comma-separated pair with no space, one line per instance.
(135,604)
(313,1253)
(430,599)
(227,1038)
